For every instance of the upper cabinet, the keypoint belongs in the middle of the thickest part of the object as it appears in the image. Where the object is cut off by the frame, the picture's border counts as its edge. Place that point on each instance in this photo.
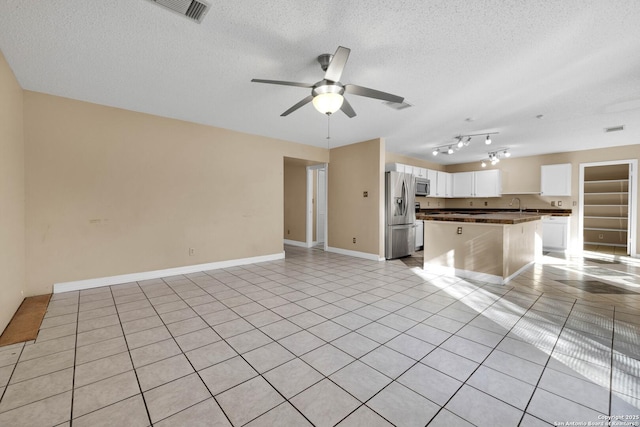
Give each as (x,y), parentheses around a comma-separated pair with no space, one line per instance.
(486,183)
(555,180)
(441,183)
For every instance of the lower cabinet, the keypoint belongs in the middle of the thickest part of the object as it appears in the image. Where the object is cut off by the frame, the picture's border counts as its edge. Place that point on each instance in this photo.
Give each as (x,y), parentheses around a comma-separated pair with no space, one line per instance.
(555,233)
(419,234)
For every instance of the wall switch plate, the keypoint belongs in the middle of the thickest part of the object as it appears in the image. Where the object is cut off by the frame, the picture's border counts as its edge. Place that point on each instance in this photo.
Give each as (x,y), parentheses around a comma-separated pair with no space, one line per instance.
(575,203)
(486,203)
(559,202)
(459,230)
(365,194)
(553,203)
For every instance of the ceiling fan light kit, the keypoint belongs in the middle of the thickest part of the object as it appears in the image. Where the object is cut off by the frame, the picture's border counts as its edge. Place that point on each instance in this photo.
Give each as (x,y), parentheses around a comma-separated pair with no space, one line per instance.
(327,95)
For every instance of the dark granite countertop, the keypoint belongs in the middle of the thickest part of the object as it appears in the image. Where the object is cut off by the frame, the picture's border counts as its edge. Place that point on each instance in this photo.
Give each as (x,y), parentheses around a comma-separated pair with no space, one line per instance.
(482,217)
(552,212)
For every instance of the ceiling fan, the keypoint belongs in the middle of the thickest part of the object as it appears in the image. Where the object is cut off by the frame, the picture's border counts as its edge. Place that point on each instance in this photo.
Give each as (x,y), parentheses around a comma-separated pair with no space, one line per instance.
(327,94)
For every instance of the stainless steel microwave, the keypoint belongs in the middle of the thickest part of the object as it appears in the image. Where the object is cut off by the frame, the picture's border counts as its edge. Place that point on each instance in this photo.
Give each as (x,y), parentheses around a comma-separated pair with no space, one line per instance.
(422,187)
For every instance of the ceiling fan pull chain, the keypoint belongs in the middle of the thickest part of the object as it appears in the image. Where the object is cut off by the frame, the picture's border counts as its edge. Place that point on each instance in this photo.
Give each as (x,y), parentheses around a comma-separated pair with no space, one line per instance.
(328,128)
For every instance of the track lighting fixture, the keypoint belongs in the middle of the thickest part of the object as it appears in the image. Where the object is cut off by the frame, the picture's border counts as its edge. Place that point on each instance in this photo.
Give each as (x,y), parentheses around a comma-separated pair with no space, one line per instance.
(494,157)
(460,142)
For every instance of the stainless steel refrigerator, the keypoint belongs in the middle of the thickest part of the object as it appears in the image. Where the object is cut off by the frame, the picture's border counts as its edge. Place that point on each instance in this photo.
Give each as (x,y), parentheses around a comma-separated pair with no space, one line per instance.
(400,232)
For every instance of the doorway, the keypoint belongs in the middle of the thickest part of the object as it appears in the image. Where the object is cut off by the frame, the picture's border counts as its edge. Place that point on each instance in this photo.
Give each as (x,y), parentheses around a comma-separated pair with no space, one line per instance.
(608,206)
(317,206)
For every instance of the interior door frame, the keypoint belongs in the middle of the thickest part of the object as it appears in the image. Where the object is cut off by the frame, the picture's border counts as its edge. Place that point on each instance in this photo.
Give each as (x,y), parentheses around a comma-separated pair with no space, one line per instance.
(633,202)
(310,207)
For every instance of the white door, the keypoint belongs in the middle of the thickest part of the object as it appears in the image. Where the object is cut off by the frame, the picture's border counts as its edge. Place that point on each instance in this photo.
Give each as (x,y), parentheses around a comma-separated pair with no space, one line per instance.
(321,206)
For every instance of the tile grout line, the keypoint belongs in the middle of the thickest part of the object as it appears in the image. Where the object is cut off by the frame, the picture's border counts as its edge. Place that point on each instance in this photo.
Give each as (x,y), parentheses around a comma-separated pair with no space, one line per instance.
(613,337)
(548,359)
(133,366)
(75,352)
(481,364)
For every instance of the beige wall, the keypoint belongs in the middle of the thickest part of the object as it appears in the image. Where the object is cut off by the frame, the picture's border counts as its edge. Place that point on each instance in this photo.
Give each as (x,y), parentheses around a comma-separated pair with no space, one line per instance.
(111,192)
(354,169)
(522,175)
(412,161)
(295,200)
(12,194)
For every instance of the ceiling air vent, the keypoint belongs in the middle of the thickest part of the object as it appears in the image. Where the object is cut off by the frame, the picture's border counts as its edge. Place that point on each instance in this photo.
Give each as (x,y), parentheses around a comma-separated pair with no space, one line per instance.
(614,129)
(192,9)
(397,105)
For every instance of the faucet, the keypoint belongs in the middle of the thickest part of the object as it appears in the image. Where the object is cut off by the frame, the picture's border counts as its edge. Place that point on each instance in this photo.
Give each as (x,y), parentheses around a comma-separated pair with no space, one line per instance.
(519,203)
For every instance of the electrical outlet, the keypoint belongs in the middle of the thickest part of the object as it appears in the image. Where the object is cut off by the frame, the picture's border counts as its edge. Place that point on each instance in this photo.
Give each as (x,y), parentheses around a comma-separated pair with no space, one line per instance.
(575,203)
(288,231)
(559,203)
(365,194)
(192,251)
(600,236)
(354,240)
(470,203)
(459,231)
(553,203)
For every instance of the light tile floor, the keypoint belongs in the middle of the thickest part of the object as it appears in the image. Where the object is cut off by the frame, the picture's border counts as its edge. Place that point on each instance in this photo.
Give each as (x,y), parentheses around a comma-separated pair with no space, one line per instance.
(323,339)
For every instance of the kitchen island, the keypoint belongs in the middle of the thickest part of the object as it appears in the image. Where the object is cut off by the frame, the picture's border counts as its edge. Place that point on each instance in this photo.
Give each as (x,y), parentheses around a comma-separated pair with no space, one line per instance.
(490,247)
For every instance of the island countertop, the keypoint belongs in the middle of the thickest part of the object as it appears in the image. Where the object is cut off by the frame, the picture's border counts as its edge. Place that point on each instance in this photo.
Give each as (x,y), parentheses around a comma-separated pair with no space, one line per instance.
(486,218)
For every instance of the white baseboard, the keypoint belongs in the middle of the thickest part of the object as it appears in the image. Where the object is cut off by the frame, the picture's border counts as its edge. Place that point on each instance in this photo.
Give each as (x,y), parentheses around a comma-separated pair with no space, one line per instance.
(474,275)
(146,275)
(297,243)
(356,254)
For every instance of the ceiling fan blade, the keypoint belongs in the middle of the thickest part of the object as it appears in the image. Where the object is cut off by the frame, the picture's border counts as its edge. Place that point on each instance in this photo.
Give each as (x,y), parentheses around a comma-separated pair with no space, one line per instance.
(281,82)
(298,105)
(347,109)
(372,93)
(335,68)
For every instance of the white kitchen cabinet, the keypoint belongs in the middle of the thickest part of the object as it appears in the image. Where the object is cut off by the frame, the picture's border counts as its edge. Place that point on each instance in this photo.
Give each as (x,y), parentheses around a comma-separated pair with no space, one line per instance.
(432,176)
(477,184)
(419,172)
(419,234)
(488,183)
(448,185)
(555,180)
(463,184)
(441,184)
(555,233)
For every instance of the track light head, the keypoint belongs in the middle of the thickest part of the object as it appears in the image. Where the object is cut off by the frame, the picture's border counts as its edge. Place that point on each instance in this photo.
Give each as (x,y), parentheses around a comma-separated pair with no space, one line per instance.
(436,152)
(507,153)
(488,140)
(483,164)
(450,150)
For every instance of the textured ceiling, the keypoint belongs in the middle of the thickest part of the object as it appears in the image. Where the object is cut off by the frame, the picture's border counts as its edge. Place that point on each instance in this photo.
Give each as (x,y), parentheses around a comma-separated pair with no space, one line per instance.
(465,66)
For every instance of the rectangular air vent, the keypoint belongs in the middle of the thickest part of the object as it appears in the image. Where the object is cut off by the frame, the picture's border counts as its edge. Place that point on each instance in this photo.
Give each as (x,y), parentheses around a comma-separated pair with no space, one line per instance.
(614,129)
(192,9)
(397,105)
